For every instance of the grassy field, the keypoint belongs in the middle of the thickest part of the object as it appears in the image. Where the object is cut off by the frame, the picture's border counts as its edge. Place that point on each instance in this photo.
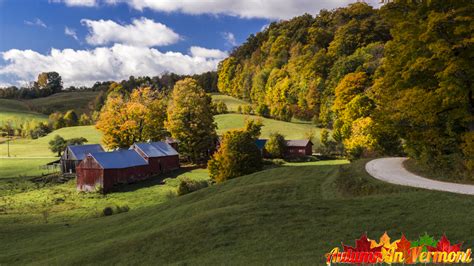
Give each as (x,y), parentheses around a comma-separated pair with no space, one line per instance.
(286,215)
(63,203)
(17,112)
(24,151)
(291,130)
(23,167)
(231,102)
(62,102)
(40,147)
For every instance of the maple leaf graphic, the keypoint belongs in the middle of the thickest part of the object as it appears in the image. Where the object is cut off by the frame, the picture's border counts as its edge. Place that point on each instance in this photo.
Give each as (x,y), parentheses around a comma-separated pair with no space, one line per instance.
(404,246)
(384,242)
(444,245)
(363,244)
(424,241)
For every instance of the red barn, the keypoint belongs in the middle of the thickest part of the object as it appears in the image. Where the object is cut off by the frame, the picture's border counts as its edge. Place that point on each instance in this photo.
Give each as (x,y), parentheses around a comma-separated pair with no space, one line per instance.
(106,169)
(295,148)
(161,156)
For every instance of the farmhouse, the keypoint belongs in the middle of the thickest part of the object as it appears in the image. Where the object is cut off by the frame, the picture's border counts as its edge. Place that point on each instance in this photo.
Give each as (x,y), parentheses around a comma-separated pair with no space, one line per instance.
(294,148)
(160,156)
(74,154)
(105,169)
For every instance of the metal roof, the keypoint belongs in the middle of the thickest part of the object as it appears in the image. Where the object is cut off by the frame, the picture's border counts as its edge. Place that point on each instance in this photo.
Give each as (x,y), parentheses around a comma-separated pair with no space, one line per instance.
(80,151)
(297,143)
(156,149)
(260,143)
(119,159)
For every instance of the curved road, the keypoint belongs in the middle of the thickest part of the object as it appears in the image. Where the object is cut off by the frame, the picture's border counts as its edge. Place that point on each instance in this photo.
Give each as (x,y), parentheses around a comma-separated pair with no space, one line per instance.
(391,170)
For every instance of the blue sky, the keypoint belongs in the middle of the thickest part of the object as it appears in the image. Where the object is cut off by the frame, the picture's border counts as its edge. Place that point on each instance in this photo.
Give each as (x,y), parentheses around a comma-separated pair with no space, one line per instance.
(90,40)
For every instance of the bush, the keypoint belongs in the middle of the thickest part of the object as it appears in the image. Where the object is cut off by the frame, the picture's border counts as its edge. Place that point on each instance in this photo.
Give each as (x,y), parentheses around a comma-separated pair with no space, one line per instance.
(187,186)
(221,107)
(247,109)
(276,145)
(276,162)
(108,211)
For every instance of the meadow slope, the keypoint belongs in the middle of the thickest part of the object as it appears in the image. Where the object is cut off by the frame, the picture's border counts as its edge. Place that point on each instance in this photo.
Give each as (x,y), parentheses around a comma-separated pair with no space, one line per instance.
(292,214)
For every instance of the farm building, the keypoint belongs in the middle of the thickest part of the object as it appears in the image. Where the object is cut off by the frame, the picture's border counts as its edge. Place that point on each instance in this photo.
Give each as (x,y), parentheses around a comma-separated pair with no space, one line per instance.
(106,169)
(161,156)
(74,154)
(294,148)
(172,142)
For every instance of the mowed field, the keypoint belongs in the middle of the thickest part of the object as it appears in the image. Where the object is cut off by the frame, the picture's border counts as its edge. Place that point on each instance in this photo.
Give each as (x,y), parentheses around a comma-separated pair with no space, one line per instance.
(291,130)
(18,112)
(62,102)
(287,215)
(27,155)
(231,102)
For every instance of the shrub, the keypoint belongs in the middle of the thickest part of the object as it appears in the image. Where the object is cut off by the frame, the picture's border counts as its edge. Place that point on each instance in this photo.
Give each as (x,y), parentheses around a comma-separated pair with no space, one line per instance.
(221,108)
(276,145)
(247,109)
(187,186)
(108,211)
(237,155)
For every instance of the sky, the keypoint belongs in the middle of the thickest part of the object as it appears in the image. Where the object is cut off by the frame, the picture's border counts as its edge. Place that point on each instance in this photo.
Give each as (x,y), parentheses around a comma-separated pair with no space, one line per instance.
(98,40)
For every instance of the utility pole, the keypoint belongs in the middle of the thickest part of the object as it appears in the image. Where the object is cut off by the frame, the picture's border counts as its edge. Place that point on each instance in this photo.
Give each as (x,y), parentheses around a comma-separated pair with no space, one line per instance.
(8,144)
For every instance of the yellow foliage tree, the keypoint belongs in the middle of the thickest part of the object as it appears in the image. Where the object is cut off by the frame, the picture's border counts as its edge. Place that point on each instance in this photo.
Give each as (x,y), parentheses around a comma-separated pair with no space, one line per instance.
(139,118)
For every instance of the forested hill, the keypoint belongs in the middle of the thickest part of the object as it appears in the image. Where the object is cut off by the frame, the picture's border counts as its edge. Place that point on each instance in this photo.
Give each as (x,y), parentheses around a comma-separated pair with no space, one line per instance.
(377,77)
(293,66)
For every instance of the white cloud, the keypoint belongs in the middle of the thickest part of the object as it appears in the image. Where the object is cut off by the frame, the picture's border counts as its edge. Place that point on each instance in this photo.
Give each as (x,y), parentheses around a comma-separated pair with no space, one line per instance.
(270,9)
(197,51)
(71,32)
(36,22)
(84,67)
(229,38)
(142,32)
(87,3)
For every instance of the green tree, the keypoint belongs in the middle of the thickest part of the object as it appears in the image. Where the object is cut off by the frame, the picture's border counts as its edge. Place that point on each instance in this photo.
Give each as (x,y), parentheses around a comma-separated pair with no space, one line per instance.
(56,120)
(237,154)
(191,120)
(70,118)
(85,120)
(57,144)
(50,83)
(276,145)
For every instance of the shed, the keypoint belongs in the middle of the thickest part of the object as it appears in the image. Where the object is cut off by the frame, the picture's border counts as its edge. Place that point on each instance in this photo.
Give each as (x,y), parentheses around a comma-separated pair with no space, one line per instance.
(106,169)
(296,148)
(161,156)
(74,154)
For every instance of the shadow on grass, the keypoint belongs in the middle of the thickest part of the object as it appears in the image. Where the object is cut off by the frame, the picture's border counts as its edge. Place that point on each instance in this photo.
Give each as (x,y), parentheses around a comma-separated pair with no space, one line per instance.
(152,181)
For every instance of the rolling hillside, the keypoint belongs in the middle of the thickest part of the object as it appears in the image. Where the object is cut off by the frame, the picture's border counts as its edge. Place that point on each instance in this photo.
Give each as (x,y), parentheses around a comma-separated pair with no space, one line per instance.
(62,102)
(18,112)
(287,215)
(291,130)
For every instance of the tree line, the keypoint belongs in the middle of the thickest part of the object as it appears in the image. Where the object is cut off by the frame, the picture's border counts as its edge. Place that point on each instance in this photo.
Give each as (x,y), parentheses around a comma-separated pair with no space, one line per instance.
(393,80)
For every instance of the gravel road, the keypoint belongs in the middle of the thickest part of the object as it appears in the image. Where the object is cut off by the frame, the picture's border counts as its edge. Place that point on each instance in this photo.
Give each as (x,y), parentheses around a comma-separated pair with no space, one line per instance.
(391,170)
